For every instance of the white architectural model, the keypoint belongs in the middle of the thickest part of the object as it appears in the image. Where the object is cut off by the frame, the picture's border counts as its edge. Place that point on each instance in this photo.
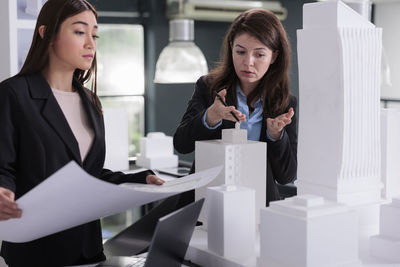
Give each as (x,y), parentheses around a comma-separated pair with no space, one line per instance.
(239,168)
(232,205)
(390,133)
(386,245)
(231,223)
(33,7)
(339,54)
(117,139)
(306,231)
(156,152)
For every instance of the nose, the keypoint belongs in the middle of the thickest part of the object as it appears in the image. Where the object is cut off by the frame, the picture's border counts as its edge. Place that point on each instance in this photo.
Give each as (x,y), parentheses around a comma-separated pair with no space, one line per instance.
(248,60)
(90,42)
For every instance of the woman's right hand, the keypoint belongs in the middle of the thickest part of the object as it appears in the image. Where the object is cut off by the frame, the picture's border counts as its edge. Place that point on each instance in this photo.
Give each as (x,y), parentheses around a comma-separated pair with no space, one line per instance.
(217,111)
(8,208)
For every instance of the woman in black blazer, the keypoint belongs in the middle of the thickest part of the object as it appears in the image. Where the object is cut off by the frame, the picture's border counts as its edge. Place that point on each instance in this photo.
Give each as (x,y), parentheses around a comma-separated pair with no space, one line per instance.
(252,78)
(38,134)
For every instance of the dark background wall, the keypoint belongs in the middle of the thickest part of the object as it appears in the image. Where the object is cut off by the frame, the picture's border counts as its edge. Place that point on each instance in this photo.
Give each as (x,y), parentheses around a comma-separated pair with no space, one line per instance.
(165,104)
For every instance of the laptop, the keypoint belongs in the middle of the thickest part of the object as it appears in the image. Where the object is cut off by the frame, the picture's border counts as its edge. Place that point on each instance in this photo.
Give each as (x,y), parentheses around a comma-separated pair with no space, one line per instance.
(169,243)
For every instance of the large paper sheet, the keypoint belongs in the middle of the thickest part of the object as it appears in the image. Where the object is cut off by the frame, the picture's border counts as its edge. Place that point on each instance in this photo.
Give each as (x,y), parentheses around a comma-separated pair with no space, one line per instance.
(71,197)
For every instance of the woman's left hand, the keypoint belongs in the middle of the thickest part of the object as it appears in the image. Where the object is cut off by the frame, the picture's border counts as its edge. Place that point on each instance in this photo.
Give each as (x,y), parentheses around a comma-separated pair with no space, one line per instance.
(152,179)
(276,125)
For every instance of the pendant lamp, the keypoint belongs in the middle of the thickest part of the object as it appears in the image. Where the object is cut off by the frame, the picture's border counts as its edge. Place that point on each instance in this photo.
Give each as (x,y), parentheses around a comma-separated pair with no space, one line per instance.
(181,61)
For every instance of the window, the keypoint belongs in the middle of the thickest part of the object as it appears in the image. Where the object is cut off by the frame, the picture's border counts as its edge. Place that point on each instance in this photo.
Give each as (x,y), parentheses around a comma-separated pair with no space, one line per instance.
(120,84)
(120,62)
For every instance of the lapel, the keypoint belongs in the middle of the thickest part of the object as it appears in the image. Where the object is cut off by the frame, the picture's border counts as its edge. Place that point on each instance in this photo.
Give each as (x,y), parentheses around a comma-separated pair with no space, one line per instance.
(93,116)
(40,89)
(263,134)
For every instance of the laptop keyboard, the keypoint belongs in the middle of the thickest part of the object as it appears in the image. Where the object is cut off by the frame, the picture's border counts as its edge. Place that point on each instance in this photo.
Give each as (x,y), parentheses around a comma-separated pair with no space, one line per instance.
(136,262)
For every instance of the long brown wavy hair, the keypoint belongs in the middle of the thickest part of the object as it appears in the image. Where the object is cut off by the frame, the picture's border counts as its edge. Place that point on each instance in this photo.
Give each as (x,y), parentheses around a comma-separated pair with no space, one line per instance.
(274,85)
(52,15)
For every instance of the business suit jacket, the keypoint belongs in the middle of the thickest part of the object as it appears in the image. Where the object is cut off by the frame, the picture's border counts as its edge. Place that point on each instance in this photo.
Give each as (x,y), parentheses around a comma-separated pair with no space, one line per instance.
(35,141)
(281,155)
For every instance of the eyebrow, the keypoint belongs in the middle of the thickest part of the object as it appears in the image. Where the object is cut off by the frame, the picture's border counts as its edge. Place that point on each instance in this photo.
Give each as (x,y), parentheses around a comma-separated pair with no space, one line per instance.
(258,48)
(84,23)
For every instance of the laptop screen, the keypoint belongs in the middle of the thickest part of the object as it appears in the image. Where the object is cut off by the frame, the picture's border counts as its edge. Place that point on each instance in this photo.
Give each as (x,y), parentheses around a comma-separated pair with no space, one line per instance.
(172,236)
(170,240)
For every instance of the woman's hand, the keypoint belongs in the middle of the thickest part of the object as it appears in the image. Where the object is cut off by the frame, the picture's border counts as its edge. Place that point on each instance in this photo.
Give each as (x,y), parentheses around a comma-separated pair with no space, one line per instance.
(276,125)
(8,208)
(152,179)
(217,111)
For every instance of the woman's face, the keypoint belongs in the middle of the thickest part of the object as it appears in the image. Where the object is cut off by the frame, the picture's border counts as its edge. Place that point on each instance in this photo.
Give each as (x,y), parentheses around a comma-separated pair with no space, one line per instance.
(251,59)
(74,46)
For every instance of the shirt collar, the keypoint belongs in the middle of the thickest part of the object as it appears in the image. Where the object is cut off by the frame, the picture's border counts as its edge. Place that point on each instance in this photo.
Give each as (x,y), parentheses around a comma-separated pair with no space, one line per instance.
(242,97)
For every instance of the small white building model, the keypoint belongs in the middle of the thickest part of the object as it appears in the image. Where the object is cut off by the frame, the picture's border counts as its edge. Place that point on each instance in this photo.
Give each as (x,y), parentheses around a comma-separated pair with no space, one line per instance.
(117,139)
(306,231)
(386,245)
(156,152)
(244,164)
(238,194)
(231,222)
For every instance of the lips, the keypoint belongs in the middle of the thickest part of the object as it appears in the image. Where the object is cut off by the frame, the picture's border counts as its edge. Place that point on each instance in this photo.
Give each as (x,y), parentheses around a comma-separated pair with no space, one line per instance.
(247,73)
(88,56)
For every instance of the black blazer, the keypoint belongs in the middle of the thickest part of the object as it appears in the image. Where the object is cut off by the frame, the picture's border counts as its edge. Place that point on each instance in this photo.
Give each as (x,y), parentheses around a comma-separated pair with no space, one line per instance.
(35,141)
(281,154)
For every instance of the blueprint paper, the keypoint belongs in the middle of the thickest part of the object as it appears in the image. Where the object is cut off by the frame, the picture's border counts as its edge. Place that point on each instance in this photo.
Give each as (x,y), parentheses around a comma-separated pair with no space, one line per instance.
(71,197)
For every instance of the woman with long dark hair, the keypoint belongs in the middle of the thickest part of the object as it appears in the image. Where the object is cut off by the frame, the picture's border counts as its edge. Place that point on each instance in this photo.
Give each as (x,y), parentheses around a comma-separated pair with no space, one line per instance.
(252,78)
(49,118)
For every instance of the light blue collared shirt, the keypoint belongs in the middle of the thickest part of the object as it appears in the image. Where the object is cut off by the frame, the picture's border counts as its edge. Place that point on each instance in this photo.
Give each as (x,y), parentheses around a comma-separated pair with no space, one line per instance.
(253,122)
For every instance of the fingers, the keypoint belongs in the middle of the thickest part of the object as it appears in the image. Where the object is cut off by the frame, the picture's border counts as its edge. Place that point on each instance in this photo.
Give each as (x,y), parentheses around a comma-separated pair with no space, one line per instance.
(228,114)
(290,113)
(241,117)
(220,97)
(8,207)
(222,93)
(6,214)
(275,125)
(278,123)
(286,121)
(220,111)
(8,194)
(286,117)
(152,179)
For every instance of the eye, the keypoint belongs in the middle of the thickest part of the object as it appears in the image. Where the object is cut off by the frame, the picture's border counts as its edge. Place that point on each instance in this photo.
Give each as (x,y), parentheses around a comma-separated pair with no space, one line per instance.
(260,55)
(239,52)
(79,32)
(95,37)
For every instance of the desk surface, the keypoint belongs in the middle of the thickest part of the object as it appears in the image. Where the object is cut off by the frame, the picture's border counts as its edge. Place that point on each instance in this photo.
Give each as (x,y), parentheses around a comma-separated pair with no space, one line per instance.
(199,253)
